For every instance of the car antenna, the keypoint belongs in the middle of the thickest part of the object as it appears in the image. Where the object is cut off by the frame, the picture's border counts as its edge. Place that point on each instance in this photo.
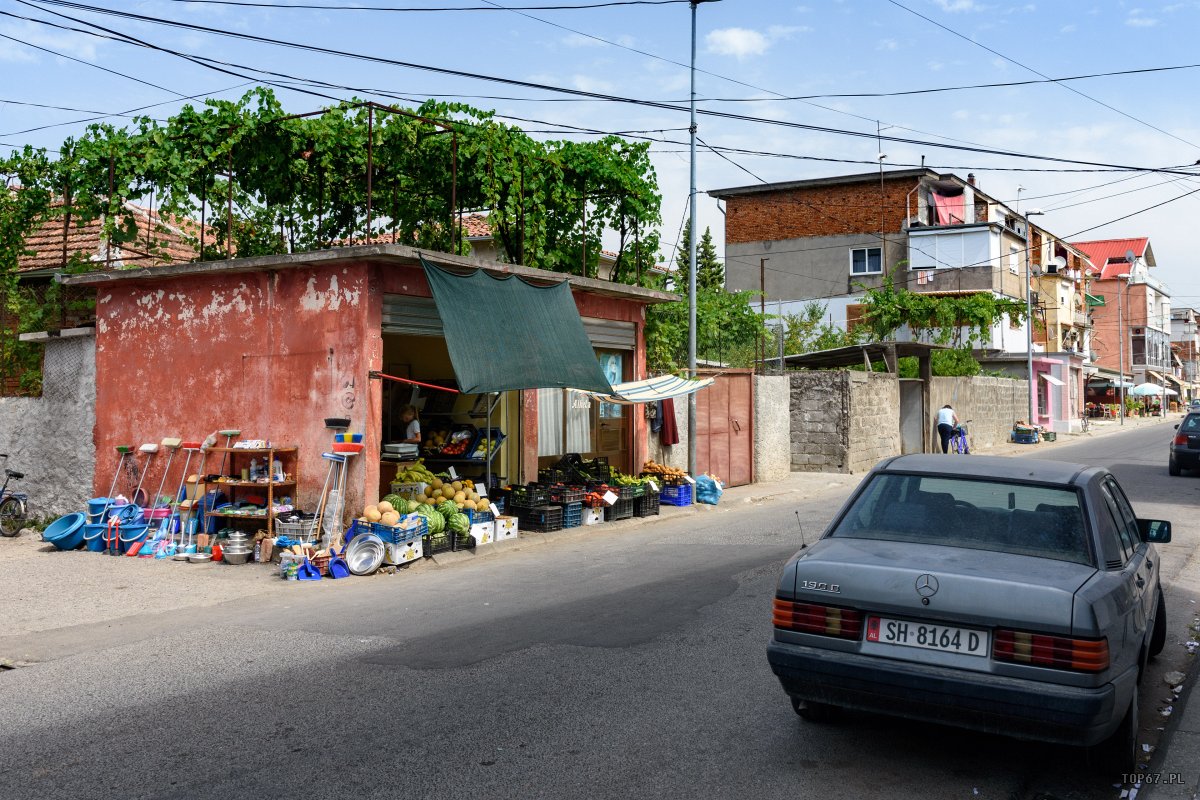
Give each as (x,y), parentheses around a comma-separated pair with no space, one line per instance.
(804,543)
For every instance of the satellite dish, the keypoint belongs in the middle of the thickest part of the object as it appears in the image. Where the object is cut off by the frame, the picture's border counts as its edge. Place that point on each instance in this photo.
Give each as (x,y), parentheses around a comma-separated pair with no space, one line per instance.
(1129,256)
(1057,264)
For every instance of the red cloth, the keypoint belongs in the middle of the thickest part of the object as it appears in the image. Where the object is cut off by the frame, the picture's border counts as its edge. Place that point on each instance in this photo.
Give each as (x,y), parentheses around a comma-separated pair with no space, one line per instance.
(670,431)
(950,210)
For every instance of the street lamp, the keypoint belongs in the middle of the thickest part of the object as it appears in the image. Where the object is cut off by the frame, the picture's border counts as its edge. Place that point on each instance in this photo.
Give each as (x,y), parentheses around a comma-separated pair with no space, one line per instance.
(1033,212)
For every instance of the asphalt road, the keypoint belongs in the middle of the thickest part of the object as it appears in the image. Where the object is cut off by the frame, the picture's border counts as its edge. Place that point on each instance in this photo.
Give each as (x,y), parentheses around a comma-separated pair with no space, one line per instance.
(623,665)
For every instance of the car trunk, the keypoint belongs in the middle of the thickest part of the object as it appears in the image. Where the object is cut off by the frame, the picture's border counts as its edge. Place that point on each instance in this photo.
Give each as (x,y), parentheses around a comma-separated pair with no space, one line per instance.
(973,587)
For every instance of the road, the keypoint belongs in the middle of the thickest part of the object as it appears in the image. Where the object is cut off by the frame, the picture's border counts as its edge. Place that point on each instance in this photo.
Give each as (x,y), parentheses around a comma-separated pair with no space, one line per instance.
(621,665)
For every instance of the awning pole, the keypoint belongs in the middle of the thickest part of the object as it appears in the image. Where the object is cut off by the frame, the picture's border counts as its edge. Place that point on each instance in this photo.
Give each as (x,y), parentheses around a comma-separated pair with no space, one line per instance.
(487,484)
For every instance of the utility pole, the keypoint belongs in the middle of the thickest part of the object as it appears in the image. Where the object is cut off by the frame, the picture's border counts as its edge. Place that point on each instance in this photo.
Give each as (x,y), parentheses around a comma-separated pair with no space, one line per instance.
(762,309)
(1029,313)
(692,258)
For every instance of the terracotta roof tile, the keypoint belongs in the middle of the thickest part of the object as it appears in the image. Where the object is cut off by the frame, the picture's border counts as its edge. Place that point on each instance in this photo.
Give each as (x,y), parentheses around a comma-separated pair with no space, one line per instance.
(160,241)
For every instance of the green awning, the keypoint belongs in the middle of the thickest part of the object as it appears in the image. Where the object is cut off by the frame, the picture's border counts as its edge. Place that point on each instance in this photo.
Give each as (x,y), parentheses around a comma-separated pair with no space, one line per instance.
(504,333)
(1094,300)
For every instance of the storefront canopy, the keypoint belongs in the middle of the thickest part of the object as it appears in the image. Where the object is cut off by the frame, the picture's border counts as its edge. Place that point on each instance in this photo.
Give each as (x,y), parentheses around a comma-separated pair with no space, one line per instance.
(651,390)
(504,333)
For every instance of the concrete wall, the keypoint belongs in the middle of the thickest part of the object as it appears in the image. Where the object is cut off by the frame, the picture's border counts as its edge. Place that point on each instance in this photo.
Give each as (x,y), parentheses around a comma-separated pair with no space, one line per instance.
(772,428)
(820,409)
(49,438)
(874,419)
(675,455)
(802,268)
(993,404)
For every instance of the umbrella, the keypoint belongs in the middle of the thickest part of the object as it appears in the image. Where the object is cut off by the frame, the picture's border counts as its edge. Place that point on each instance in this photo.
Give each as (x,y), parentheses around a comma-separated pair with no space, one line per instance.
(1144,389)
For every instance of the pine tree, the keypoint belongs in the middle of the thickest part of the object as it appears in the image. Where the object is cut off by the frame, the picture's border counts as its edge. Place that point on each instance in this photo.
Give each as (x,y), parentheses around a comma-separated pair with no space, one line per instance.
(683,258)
(710,272)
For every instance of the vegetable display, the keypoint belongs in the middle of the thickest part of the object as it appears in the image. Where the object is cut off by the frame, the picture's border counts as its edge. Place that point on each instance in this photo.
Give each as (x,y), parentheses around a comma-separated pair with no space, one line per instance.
(665,473)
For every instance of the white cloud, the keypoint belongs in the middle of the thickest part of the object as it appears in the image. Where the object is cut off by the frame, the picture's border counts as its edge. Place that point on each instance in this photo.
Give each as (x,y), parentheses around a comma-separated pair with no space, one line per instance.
(955,6)
(740,43)
(1135,20)
(1068,29)
(888,44)
(13,52)
(1000,63)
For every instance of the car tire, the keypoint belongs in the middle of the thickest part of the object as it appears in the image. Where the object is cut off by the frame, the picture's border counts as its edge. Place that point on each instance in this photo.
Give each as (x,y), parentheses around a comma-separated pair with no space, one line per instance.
(1117,755)
(1173,469)
(815,712)
(1158,637)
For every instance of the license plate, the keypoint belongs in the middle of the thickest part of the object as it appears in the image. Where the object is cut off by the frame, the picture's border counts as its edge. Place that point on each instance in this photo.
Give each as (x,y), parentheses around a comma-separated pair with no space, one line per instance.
(927,636)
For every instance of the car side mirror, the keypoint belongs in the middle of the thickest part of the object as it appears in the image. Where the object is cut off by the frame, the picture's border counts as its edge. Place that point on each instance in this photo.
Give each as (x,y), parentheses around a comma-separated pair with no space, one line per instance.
(1176,426)
(1155,531)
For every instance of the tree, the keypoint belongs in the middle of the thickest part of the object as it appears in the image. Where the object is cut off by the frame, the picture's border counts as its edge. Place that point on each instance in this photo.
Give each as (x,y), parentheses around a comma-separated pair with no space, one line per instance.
(710,272)
(810,331)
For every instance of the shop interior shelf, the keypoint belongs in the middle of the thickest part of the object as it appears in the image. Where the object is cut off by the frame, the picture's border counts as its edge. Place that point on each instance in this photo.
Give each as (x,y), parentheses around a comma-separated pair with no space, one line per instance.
(459,459)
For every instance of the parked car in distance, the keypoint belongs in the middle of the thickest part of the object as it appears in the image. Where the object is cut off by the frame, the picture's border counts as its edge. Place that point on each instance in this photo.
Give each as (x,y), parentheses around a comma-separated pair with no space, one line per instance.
(1185,446)
(991,594)
(1194,405)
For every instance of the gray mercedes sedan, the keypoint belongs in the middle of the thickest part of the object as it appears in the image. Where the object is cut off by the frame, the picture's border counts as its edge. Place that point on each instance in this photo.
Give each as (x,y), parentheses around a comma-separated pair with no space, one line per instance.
(1005,595)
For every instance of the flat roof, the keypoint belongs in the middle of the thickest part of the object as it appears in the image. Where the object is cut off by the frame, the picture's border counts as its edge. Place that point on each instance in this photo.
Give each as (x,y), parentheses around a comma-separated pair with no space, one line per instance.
(852,355)
(862,177)
(382,253)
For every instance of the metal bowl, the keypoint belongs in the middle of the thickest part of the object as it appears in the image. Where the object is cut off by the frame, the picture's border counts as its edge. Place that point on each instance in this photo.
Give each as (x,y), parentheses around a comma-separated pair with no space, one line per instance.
(364,554)
(200,558)
(238,557)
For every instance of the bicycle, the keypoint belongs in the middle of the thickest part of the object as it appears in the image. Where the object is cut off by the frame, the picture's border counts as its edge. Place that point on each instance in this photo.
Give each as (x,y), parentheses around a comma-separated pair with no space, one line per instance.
(13,505)
(958,440)
(1084,422)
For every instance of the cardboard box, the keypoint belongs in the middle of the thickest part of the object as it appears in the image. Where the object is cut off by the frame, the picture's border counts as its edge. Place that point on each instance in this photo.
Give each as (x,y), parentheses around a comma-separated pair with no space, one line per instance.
(483,533)
(506,528)
(593,516)
(409,491)
(403,553)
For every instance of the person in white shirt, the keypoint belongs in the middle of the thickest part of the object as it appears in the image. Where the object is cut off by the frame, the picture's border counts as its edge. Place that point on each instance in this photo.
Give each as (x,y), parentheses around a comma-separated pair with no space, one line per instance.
(412,433)
(947,421)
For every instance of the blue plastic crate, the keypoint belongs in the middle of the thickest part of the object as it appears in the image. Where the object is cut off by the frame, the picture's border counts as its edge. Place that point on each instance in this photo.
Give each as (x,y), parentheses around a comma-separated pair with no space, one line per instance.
(1025,438)
(676,495)
(480,516)
(572,515)
(392,535)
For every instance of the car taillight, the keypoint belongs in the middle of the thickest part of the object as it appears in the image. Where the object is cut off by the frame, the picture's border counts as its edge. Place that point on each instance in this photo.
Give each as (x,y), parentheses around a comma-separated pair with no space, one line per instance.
(1059,652)
(1181,438)
(843,623)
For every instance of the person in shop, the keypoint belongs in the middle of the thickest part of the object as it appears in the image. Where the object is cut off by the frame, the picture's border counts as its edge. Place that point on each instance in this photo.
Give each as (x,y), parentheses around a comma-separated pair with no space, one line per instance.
(412,429)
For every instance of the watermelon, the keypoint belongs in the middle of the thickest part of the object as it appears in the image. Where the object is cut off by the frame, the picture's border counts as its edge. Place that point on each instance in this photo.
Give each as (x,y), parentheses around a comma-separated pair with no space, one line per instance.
(459,523)
(437,523)
(424,509)
(447,508)
(395,500)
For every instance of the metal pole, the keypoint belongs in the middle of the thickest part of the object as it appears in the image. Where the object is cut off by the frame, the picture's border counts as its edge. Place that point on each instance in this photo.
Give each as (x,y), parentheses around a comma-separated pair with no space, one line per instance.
(1029,323)
(370,165)
(1121,360)
(692,259)
(762,309)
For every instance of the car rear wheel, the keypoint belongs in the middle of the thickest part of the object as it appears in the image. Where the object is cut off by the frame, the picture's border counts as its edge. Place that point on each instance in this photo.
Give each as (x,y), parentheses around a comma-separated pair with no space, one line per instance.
(1173,468)
(815,712)
(1158,638)
(1117,755)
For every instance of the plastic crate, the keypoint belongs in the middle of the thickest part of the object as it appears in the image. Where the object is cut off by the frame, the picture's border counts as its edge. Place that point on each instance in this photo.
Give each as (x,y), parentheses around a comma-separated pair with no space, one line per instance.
(562,495)
(647,505)
(434,543)
(304,530)
(479,516)
(497,437)
(622,509)
(409,491)
(528,496)
(397,535)
(637,490)
(541,519)
(572,516)
(462,541)
(625,492)
(676,495)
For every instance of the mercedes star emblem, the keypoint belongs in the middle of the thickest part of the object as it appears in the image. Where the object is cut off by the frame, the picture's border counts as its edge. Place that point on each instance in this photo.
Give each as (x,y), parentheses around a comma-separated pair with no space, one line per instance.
(927,585)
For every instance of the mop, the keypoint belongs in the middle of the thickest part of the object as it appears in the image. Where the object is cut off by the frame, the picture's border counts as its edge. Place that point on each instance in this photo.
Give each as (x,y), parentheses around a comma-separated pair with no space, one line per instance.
(193,521)
(123,452)
(177,550)
(150,449)
(160,536)
(336,461)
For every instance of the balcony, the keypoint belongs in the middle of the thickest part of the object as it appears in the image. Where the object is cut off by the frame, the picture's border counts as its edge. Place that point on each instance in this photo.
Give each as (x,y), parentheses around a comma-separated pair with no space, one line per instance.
(1080,320)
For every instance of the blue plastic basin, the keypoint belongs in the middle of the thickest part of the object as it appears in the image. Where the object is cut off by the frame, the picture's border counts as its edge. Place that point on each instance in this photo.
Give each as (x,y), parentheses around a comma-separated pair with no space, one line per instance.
(65,533)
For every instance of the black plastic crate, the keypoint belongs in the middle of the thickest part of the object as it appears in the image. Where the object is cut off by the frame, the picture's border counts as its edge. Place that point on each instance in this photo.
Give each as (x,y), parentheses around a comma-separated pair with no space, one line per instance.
(622,509)
(541,519)
(562,495)
(434,543)
(462,541)
(572,515)
(625,492)
(647,505)
(528,496)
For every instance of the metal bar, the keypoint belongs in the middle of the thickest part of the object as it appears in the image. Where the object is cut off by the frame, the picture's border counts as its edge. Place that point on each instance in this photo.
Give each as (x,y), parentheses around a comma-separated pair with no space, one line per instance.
(454,193)
(229,220)
(376,375)
(203,201)
(692,257)
(370,163)
(108,221)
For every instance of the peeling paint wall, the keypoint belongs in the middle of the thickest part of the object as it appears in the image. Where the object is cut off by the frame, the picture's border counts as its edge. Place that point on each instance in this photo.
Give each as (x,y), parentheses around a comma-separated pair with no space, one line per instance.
(49,438)
(270,353)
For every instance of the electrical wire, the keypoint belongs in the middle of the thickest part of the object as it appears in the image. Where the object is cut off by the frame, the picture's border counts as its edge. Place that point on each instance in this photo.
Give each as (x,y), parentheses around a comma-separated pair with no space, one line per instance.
(1068,87)
(516,82)
(330,7)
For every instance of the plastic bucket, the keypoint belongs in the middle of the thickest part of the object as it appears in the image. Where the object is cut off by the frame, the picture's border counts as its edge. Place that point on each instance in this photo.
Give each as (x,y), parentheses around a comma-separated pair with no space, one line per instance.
(96,508)
(65,533)
(129,514)
(93,536)
(131,534)
(156,513)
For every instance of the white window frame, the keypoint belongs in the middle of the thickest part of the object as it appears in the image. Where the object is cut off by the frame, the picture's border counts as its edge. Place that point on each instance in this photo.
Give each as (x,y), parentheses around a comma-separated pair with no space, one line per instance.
(1014,259)
(866,260)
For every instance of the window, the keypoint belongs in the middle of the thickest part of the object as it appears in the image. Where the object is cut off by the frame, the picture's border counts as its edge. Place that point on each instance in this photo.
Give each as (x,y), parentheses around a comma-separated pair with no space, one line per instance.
(866,260)
(564,422)
(1126,525)
(1013,258)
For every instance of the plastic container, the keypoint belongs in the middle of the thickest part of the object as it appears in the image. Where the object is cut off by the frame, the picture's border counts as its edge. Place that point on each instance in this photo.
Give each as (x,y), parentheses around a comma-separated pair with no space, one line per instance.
(130,534)
(96,508)
(65,533)
(93,536)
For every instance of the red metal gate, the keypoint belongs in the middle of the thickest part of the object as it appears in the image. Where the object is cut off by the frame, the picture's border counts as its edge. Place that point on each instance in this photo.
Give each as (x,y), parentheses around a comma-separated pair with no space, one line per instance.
(725,427)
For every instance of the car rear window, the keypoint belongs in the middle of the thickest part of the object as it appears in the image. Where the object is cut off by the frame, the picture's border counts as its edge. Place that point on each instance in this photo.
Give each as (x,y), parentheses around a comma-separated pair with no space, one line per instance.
(1190,424)
(1006,517)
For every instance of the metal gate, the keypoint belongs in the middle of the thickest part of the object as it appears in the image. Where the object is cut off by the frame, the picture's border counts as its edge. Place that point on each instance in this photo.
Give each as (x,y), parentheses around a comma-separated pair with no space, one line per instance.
(725,427)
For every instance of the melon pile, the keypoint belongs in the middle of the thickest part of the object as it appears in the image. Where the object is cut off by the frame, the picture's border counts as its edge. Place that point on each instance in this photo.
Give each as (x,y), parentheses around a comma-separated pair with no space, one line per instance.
(461,493)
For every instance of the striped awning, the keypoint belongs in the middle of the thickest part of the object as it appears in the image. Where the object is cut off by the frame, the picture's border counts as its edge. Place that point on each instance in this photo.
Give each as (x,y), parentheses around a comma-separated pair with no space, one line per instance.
(650,390)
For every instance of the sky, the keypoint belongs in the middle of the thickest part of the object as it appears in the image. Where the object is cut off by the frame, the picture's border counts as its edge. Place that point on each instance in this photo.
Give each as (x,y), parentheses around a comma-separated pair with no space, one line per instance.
(753,58)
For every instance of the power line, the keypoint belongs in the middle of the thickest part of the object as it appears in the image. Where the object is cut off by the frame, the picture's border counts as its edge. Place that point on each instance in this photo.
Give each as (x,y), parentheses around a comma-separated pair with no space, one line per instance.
(330,7)
(518,82)
(88,63)
(1042,75)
